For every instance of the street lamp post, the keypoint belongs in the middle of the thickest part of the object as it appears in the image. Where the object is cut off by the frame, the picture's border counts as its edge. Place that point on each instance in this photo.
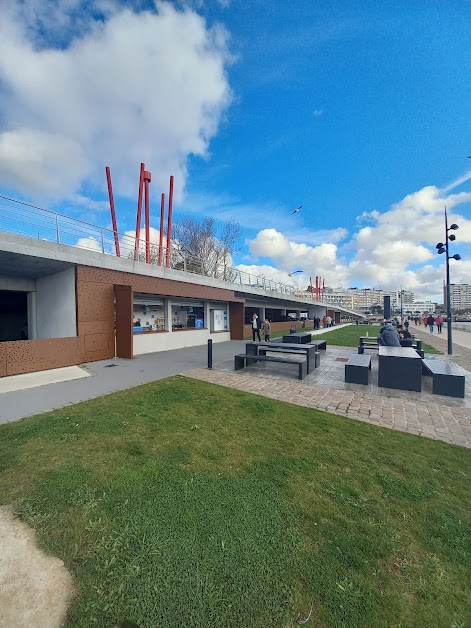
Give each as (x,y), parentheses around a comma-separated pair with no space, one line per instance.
(296,272)
(443,248)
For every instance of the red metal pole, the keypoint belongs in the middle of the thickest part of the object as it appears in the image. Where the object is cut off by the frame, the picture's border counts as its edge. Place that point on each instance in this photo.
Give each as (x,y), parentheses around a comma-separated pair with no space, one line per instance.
(161,232)
(317,287)
(323,288)
(147,180)
(113,212)
(138,216)
(169,223)
(310,282)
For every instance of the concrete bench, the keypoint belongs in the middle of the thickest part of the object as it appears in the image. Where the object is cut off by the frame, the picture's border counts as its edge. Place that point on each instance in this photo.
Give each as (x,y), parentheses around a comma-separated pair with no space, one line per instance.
(243,359)
(447,377)
(313,357)
(320,344)
(357,369)
(367,345)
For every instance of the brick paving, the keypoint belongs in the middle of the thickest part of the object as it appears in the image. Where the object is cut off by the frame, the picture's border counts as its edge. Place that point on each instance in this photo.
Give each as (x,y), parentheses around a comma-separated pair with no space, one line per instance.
(433,416)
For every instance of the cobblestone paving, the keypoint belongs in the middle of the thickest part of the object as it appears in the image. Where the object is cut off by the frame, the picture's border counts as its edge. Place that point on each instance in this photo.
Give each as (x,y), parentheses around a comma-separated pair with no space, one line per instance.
(432,416)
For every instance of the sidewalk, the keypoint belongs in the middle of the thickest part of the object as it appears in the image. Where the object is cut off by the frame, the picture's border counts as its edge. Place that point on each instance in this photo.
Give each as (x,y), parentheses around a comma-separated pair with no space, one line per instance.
(461,343)
(433,416)
(110,376)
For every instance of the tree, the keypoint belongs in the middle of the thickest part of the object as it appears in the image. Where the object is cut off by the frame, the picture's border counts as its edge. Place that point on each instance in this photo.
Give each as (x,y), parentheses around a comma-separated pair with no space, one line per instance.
(197,247)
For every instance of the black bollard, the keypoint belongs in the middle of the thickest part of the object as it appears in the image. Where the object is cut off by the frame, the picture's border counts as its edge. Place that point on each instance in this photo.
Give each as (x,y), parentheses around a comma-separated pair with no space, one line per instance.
(210,354)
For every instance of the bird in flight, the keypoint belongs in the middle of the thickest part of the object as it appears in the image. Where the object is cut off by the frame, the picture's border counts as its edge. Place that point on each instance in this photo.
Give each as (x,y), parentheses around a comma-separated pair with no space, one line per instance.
(296,210)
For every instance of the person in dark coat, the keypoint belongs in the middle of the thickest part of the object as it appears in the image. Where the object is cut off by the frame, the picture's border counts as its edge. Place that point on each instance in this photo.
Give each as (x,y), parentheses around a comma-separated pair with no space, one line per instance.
(430,322)
(389,336)
(256,326)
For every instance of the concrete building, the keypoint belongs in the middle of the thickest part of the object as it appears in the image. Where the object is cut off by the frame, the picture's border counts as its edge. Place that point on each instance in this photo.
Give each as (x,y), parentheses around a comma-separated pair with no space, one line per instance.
(460,296)
(62,305)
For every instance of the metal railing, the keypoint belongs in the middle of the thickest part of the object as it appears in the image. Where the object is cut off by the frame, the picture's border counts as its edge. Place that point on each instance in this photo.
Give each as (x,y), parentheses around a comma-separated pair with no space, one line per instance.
(28,220)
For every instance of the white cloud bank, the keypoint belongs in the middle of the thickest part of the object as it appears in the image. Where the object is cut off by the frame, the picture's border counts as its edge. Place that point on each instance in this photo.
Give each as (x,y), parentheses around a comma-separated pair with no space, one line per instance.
(133,86)
(396,248)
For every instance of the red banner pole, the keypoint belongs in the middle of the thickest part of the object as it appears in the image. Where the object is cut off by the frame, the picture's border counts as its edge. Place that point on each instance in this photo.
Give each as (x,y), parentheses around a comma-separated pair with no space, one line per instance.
(161,232)
(138,215)
(169,224)
(147,180)
(113,212)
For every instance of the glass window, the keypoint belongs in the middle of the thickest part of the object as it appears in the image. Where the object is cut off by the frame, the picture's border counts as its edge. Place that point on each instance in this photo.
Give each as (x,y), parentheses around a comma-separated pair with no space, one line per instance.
(148,317)
(188,316)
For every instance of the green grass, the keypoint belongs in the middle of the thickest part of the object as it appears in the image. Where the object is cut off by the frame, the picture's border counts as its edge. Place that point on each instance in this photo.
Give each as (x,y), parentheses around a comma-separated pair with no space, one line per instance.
(181,503)
(349,336)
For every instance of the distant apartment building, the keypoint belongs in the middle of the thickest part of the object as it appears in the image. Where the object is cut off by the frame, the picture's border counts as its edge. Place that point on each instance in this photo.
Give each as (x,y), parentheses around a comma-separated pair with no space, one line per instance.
(418,307)
(460,296)
(361,299)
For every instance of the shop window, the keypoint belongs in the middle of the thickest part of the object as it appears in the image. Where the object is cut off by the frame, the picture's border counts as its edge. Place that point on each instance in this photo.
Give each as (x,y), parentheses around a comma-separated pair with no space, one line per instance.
(219,320)
(188,316)
(148,317)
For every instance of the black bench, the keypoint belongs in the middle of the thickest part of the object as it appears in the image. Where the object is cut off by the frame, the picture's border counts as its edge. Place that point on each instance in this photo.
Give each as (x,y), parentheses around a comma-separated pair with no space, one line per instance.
(357,369)
(313,357)
(367,343)
(447,377)
(320,344)
(243,359)
(298,337)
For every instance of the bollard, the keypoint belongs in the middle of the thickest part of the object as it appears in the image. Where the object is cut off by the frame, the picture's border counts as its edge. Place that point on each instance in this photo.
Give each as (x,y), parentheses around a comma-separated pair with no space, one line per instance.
(210,354)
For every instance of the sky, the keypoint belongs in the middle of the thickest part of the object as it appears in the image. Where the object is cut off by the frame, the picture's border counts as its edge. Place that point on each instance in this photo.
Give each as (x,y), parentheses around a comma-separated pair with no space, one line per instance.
(358,111)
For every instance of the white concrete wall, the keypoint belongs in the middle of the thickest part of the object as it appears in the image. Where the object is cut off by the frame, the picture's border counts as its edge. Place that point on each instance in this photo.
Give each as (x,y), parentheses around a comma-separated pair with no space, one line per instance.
(152,342)
(55,305)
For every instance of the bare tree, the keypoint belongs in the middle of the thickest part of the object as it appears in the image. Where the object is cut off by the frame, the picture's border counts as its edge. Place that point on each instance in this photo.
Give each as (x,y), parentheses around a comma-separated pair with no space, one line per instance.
(198,248)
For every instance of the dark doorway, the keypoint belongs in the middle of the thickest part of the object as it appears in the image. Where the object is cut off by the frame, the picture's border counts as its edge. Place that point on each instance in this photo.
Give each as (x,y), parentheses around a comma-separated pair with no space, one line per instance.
(13,315)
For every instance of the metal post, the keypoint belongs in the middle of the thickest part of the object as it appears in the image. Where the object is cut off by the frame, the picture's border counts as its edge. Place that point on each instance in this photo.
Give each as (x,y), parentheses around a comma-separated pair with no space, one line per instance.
(161,228)
(448,299)
(113,213)
(58,235)
(103,241)
(137,242)
(210,354)
(169,224)
(147,180)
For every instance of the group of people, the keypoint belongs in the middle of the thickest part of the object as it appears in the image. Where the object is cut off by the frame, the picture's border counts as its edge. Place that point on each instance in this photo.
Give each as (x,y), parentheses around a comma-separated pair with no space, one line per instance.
(265,327)
(258,326)
(391,336)
(430,321)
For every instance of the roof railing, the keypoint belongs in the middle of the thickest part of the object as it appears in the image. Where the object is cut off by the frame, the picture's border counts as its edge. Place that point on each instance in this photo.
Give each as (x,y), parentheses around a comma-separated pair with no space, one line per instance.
(28,220)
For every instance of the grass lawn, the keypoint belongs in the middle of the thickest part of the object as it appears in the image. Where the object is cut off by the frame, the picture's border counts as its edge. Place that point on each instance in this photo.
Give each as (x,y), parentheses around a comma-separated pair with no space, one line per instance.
(349,336)
(182,503)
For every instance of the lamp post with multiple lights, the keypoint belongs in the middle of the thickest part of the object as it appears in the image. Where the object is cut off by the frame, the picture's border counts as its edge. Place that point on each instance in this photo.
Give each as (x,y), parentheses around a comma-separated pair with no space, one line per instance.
(443,248)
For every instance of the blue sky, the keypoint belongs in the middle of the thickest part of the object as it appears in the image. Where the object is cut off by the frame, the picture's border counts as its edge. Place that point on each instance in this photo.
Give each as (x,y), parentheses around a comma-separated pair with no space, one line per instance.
(360,112)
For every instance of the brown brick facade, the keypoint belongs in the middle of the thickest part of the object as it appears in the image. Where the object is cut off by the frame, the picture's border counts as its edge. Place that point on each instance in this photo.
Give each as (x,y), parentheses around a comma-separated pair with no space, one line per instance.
(95,306)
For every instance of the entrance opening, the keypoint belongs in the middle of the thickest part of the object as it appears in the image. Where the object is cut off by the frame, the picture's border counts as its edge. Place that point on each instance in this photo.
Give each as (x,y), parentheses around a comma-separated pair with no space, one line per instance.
(13,315)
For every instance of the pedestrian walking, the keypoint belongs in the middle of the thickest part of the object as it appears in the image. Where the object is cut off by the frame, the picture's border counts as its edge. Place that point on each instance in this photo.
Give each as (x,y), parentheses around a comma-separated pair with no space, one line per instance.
(256,327)
(430,322)
(266,330)
(439,321)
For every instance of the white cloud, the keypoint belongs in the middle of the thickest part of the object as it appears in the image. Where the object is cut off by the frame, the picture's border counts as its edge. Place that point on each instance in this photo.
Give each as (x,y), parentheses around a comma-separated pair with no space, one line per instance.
(317,112)
(89,243)
(396,248)
(134,86)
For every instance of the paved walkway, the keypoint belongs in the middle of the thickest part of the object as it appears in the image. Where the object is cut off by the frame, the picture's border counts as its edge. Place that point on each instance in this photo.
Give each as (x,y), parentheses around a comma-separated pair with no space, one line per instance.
(443,418)
(434,416)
